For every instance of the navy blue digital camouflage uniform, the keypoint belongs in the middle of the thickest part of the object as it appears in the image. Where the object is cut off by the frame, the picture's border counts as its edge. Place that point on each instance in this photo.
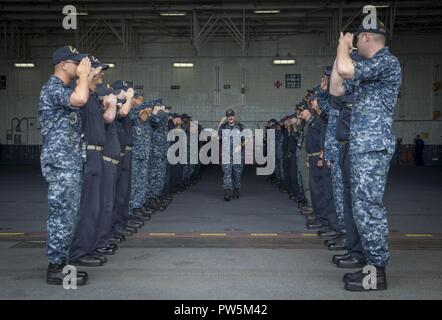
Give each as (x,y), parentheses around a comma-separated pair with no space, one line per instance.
(231,172)
(158,156)
(186,166)
(295,173)
(279,171)
(148,132)
(61,165)
(372,145)
(286,160)
(327,201)
(140,157)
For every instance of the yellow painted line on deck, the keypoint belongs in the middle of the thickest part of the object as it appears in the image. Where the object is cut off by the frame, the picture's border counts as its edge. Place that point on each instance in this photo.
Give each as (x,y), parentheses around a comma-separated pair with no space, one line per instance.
(6,234)
(418,235)
(213,234)
(309,234)
(264,234)
(162,234)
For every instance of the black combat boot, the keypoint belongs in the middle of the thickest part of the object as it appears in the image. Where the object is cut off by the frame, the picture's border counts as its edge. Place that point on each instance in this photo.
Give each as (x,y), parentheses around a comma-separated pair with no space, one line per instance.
(315,225)
(338,244)
(157,205)
(153,205)
(131,229)
(138,213)
(236,193)
(338,257)
(227,195)
(55,275)
(88,260)
(135,223)
(350,263)
(147,208)
(355,281)
(100,256)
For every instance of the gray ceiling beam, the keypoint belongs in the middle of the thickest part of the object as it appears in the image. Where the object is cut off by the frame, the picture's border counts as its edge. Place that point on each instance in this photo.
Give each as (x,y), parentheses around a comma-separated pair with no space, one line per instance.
(169,6)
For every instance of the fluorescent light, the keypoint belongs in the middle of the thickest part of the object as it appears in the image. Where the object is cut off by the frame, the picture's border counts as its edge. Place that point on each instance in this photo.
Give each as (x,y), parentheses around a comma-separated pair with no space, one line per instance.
(24,65)
(284,61)
(267,11)
(182,65)
(172,14)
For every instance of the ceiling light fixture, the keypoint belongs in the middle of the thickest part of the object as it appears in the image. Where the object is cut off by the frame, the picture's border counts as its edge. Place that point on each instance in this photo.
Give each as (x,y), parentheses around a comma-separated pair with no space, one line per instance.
(24,65)
(173,14)
(267,11)
(284,61)
(182,65)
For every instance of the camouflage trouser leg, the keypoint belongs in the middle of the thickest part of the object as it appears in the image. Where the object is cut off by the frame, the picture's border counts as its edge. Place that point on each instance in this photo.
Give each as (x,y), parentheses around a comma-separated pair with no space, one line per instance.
(192,170)
(279,163)
(277,169)
(157,176)
(232,176)
(338,196)
(138,185)
(237,172)
(64,201)
(368,177)
(186,173)
(227,176)
(149,193)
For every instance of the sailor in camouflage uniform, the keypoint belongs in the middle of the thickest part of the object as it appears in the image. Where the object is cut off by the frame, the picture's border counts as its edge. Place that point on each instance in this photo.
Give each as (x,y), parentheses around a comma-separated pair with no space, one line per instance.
(279,171)
(140,158)
(61,161)
(230,150)
(159,120)
(372,141)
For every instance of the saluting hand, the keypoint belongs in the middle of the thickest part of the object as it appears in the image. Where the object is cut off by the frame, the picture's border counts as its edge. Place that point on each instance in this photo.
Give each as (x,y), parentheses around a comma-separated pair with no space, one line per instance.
(84,68)
(112,99)
(155,110)
(223,119)
(324,83)
(130,93)
(94,73)
(346,40)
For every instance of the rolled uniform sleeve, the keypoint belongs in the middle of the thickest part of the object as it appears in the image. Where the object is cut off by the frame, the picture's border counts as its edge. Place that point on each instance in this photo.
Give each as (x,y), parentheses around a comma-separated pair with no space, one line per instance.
(349,86)
(62,98)
(324,102)
(371,69)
